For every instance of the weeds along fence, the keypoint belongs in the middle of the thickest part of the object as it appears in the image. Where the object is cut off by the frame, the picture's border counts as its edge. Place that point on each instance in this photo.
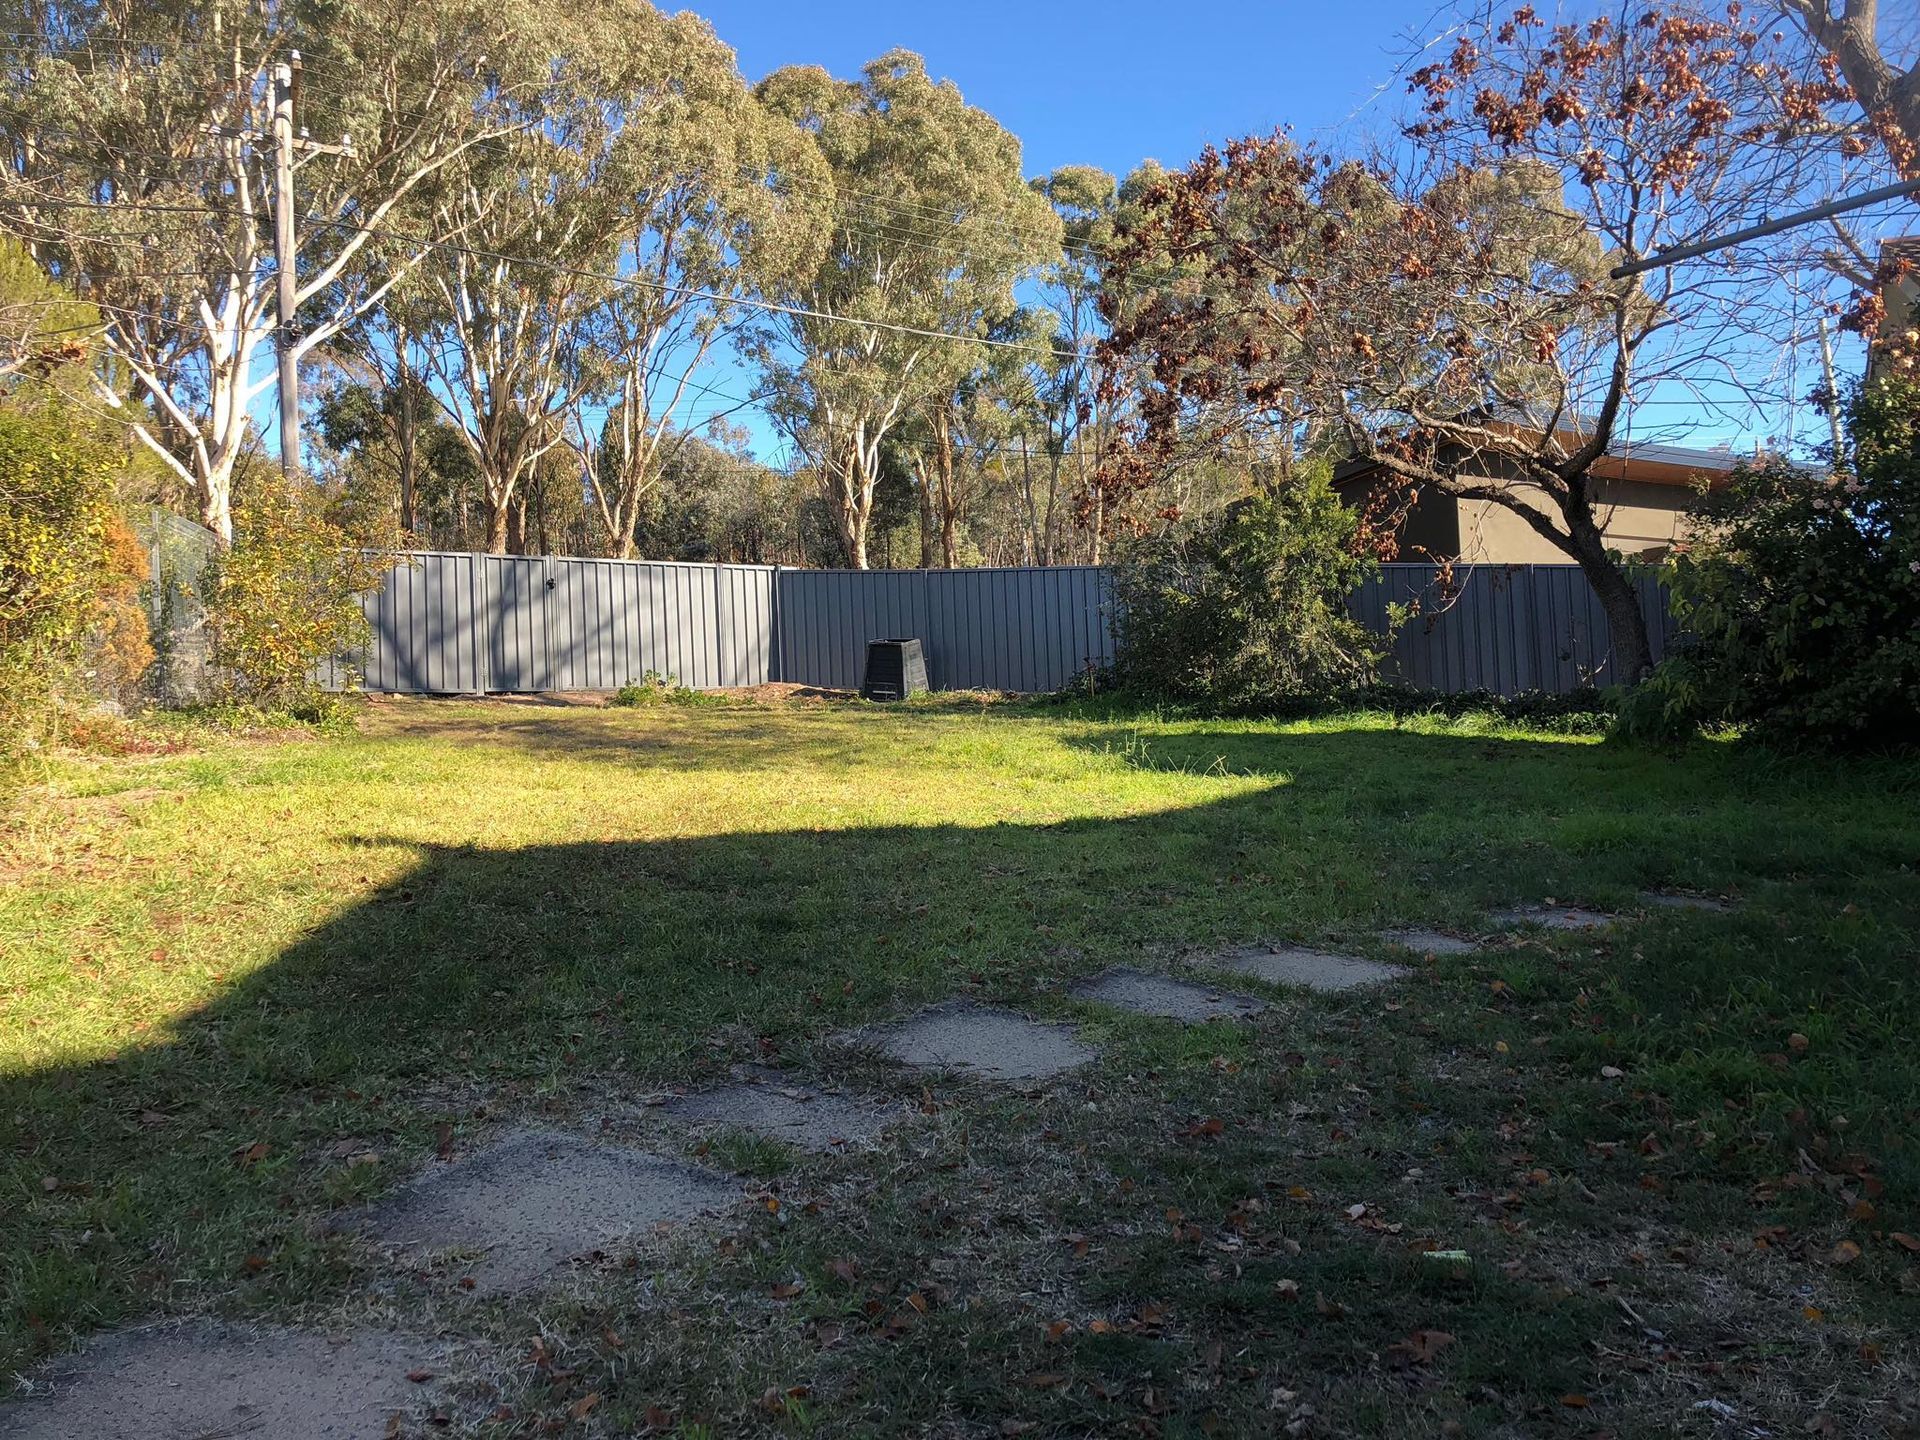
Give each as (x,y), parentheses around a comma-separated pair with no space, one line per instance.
(447,623)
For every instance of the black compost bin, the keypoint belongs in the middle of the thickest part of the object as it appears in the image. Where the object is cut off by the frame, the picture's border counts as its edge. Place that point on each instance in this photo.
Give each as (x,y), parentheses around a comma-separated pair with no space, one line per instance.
(895,670)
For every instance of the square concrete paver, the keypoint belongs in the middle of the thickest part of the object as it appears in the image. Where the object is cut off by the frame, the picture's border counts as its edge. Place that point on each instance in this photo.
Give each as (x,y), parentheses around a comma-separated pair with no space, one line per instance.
(1430,942)
(1145,993)
(1553,917)
(533,1201)
(980,1040)
(797,1115)
(1312,969)
(200,1380)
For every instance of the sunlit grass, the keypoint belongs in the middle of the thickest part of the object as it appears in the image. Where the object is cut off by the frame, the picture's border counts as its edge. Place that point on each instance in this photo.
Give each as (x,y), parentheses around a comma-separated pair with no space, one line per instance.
(517,906)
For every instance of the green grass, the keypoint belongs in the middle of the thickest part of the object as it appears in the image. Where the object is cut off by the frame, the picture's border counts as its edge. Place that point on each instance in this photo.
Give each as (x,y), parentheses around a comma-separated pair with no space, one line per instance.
(472,914)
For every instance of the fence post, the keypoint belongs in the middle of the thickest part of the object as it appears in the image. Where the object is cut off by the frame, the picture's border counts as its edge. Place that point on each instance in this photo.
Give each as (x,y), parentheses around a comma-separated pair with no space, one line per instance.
(776,662)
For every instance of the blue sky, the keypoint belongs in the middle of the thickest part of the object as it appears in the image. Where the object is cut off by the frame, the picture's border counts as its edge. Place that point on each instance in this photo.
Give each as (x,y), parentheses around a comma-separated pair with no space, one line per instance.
(1108,84)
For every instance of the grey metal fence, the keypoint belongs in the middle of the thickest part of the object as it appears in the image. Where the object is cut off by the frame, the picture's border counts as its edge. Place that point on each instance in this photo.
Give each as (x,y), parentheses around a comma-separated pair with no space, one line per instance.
(459,623)
(1504,628)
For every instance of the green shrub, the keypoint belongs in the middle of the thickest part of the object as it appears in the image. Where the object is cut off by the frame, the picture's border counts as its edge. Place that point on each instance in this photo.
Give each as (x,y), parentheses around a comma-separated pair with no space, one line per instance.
(284,603)
(656,689)
(61,562)
(1669,707)
(1252,609)
(1802,595)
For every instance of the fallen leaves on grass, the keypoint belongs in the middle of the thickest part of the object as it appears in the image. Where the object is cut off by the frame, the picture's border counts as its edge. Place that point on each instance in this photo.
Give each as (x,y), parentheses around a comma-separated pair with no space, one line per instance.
(774,1400)
(1422,1347)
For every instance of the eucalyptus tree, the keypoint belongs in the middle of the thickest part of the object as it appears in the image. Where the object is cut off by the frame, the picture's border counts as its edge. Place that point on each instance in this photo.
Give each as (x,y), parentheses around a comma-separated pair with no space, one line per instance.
(1076,421)
(719,198)
(958,439)
(502,335)
(137,171)
(932,226)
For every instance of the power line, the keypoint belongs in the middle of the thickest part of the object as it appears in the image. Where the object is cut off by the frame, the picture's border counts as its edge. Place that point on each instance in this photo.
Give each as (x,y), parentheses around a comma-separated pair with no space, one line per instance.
(887,231)
(557,267)
(918,211)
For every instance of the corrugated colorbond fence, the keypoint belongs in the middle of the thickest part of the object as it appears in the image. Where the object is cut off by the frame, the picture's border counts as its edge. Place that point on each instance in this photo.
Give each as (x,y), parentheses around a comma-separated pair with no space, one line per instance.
(1504,628)
(460,623)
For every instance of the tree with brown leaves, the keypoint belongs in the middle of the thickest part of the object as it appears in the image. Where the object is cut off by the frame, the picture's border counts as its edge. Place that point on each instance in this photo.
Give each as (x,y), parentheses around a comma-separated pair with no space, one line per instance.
(1450,321)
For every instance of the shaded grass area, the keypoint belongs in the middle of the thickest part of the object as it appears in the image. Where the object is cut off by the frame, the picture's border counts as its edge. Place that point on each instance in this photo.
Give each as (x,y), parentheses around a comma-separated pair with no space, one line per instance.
(233,974)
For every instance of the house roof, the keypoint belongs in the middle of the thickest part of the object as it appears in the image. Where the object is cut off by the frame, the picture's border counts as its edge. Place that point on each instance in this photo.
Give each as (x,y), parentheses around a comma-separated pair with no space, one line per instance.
(1644,461)
(1665,464)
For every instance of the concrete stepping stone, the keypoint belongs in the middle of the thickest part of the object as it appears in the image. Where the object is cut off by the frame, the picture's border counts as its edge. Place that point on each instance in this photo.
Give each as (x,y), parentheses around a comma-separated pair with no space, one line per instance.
(1430,942)
(1553,917)
(981,1040)
(200,1380)
(796,1115)
(1673,900)
(535,1200)
(1145,993)
(1311,969)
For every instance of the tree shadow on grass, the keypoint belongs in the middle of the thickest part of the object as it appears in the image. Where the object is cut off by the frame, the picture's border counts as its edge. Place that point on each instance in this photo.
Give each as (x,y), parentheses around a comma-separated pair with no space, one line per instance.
(198,1164)
(661,736)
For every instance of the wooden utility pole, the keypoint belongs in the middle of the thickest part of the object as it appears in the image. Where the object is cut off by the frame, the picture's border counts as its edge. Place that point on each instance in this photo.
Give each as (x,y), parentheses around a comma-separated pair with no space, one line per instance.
(287,143)
(285,252)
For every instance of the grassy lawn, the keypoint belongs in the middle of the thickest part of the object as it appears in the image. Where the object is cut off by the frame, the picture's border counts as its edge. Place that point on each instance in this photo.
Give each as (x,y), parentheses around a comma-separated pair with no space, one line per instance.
(1683,1155)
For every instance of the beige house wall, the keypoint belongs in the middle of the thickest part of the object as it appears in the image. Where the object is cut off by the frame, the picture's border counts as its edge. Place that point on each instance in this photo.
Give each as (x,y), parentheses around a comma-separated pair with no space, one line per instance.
(1634,516)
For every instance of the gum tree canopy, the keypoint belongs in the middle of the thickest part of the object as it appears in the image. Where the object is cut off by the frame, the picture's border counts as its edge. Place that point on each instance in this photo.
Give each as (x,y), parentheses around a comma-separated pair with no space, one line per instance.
(898,144)
(138,175)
